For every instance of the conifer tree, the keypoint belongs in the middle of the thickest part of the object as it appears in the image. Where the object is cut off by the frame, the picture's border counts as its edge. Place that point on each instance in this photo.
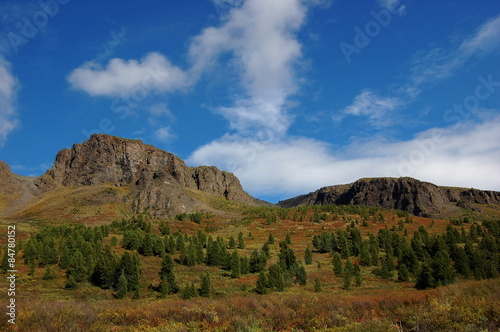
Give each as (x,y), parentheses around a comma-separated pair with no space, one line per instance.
(241,241)
(358,280)
(205,285)
(308,258)
(317,285)
(48,274)
(245,265)
(425,279)
(232,243)
(403,273)
(347,274)
(266,250)
(167,273)
(71,283)
(121,286)
(235,265)
(164,289)
(261,286)
(301,275)
(337,265)
(270,239)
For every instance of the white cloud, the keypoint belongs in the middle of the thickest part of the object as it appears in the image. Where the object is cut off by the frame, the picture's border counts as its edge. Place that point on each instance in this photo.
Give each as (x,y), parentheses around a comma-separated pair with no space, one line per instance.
(374,107)
(393,5)
(465,155)
(440,63)
(259,35)
(153,73)
(8,115)
(164,134)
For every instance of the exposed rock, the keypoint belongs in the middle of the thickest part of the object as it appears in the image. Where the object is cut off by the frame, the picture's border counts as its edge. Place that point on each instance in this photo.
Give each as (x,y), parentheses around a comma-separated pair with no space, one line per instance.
(9,182)
(407,194)
(157,178)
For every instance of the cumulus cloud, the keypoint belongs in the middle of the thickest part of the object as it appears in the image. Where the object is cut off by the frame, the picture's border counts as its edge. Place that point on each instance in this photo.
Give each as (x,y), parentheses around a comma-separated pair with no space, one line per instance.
(260,37)
(153,73)
(465,155)
(8,115)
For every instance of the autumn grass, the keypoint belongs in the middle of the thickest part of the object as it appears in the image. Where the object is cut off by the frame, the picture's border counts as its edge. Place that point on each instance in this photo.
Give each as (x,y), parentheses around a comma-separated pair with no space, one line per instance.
(467,306)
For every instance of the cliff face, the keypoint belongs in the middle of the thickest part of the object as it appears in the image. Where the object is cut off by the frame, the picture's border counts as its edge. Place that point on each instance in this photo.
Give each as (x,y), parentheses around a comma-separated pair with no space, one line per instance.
(9,184)
(407,194)
(157,178)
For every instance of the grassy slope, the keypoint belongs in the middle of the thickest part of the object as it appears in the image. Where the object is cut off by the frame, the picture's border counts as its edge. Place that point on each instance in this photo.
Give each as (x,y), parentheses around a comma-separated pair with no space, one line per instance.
(377,305)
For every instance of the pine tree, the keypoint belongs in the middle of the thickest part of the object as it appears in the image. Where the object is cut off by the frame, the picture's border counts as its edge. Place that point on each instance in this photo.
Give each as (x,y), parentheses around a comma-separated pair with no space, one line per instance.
(301,275)
(358,280)
(425,279)
(266,250)
(337,265)
(261,286)
(245,265)
(232,243)
(71,283)
(48,274)
(308,258)
(164,289)
(235,265)
(205,285)
(443,271)
(347,274)
(270,239)
(317,285)
(167,273)
(403,273)
(188,292)
(288,239)
(241,241)
(121,286)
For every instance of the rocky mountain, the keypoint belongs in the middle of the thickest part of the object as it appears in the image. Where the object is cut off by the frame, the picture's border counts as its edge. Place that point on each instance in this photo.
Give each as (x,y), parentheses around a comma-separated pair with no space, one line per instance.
(407,194)
(156,179)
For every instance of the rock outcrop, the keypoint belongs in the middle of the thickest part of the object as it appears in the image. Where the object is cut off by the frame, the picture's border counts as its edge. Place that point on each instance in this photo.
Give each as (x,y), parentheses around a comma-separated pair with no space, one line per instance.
(407,194)
(157,178)
(9,183)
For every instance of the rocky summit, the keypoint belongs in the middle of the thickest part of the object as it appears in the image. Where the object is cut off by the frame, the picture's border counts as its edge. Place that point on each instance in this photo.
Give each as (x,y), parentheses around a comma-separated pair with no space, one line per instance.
(156,179)
(128,174)
(407,194)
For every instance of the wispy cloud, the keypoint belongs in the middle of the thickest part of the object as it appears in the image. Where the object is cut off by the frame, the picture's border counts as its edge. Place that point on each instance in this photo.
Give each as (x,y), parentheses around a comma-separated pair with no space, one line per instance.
(431,66)
(393,5)
(377,109)
(426,69)
(153,73)
(8,88)
(164,134)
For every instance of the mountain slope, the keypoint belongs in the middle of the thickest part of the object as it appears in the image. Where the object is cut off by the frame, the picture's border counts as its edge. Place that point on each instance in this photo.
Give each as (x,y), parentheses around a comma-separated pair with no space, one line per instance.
(154,179)
(407,194)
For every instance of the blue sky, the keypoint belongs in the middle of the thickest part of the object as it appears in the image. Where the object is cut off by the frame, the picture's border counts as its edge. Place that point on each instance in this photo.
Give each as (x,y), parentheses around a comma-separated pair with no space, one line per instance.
(290,95)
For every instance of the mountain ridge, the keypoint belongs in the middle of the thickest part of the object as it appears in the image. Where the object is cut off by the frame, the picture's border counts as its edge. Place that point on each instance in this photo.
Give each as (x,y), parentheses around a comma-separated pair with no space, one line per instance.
(410,195)
(162,183)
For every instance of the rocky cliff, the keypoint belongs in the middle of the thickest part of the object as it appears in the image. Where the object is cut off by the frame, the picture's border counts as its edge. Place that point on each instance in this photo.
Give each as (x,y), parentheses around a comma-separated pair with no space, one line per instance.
(157,179)
(9,183)
(407,194)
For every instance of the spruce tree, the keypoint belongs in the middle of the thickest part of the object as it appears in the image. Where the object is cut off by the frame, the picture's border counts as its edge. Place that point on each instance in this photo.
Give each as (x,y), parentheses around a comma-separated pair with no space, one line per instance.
(425,278)
(358,280)
(232,243)
(71,283)
(347,274)
(164,289)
